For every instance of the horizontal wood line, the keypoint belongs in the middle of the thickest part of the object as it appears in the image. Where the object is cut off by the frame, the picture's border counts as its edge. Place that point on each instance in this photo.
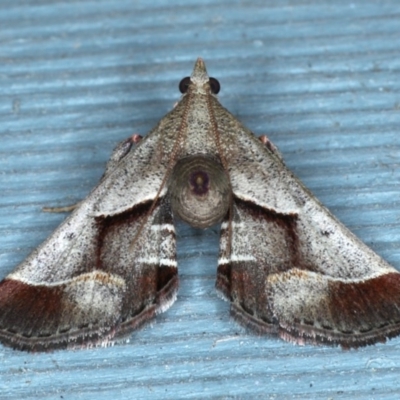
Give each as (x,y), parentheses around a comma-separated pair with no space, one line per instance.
(50,62)
(273,14)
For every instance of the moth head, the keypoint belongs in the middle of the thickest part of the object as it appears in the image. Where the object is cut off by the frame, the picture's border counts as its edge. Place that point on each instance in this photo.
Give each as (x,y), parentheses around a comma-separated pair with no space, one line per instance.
(199,82)
(199,190)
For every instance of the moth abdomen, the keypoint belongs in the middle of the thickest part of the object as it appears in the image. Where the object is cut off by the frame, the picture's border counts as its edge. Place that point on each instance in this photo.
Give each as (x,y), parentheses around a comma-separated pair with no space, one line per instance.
(199,190)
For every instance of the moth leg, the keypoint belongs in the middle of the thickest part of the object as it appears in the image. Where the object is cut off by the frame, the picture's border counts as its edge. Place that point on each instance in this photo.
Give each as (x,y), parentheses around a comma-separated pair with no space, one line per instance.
(270,146)
(121,150)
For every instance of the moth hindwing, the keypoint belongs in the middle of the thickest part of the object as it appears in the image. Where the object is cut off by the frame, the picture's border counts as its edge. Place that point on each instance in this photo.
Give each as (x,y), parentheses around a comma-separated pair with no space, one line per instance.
(287,266)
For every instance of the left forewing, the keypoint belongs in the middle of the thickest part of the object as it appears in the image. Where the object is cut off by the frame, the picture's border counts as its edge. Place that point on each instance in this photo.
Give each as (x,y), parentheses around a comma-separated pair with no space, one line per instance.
(95,278)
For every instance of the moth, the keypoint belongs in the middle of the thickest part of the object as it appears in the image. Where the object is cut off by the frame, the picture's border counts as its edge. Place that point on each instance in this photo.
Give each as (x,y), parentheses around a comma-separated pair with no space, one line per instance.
(286,265)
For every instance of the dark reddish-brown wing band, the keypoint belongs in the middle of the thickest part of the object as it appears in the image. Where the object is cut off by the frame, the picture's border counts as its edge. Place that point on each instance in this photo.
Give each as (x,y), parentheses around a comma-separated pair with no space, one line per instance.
(275,288)
(115,290)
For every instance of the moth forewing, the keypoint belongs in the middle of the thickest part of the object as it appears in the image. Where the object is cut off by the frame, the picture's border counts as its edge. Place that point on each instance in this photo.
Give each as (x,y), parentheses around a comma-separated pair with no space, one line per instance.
(293,268)
(85,285)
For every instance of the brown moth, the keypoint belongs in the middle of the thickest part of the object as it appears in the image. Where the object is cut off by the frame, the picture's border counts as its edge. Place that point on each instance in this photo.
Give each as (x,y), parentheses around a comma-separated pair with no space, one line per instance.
(287,266)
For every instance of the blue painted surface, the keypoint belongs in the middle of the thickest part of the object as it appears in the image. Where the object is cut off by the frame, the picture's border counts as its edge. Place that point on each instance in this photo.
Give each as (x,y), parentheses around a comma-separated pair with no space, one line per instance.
(321,78)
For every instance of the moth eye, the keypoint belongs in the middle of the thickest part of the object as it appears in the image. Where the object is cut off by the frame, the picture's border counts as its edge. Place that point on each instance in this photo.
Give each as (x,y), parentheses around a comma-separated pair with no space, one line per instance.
(199,191)
(214,85)
(184,84)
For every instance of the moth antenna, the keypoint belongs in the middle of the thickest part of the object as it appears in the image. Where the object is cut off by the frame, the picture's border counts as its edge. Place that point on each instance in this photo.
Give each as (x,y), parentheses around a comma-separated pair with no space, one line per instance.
(216,135)
(174,154)
(61,209)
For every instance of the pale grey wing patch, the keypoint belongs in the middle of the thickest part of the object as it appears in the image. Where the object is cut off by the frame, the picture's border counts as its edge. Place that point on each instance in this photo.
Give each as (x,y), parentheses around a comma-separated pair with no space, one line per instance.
(333,249)
(68,252)
(94,298)
(276,287)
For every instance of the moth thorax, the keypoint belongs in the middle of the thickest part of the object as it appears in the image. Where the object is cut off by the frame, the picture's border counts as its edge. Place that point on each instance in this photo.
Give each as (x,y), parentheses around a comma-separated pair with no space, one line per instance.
(199,190)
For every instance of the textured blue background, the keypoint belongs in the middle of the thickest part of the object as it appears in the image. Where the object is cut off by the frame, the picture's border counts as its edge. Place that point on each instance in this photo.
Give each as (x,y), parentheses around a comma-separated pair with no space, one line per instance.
(321,78)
